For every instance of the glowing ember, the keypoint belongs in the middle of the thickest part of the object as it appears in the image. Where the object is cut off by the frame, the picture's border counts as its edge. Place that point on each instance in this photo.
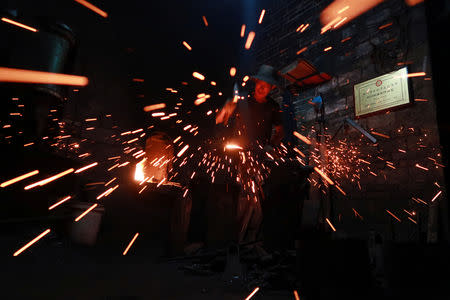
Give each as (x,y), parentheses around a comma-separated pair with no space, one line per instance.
(198,76)
(182,150)
(437,195)
(139,172)
(302,138)
(329,223)
(18,24)
(242,30)
(86,212)
(252,293)
(232,71)
(154,107)
(86,167)
(250,37)
(60,202)
(22,177)
(394,216)
(296,295)
(31,242)
(131,243)
(324,176)
(187,46)
(93,8)
(261,16)
(50,179)
(30,76)
(233,146)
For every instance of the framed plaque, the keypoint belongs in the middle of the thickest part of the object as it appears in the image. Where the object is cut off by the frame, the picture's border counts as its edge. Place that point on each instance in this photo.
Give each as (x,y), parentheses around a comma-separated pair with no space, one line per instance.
(381,93)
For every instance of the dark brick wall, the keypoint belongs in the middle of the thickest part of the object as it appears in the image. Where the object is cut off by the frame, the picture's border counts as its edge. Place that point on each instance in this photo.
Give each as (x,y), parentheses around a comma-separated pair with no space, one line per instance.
(363,49)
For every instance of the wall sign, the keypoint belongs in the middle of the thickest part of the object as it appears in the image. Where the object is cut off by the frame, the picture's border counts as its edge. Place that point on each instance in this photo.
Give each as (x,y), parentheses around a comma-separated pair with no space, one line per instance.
(381,93)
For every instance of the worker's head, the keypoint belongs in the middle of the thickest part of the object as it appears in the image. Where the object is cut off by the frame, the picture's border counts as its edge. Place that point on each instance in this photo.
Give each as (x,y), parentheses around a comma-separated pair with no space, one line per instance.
(262,89)
(265,81)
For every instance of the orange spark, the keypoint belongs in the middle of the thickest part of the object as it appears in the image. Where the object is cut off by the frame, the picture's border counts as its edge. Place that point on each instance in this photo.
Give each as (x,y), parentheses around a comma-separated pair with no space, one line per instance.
(154,107)
(31,242)
(86,212)
(198,76)
(421,100)
(394,216)
(340,190)
(296,295)
(177,139)
(331,225)
(250,37)
(299,152)
(50,179)
(131,243)
(213,83)
(327,49)
(187,46)
(437,195)
(299,28)
(302,138)
(252,294)
(110,181)
(385,25)
(30,76)
(158,114)
(91,120)
(324,176)
(86,167)
(242,30)
(19,24)
(349,9)
(161,182)
(60,202)
(261,16)
(420,167)
(205,21)
(14,180)
(233,146)
(380,134)
(304,28)
(182,150)
(232,71)
(302,50)
(29,144)
(93,8)
(417,74)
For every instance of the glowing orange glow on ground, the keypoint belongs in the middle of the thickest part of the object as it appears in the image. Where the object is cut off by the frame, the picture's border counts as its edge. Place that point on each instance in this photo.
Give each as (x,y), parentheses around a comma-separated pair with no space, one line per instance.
(131,243)
(31,242)
(250,37)
(29,76)
(60,202)
(86,212)
(22,177)
(302,138)
(19,24)
(50,179)
(93,8)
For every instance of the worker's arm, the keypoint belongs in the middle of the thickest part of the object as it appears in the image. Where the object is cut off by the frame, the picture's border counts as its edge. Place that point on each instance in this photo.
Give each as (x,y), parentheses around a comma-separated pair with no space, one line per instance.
(277,136)
(226,112)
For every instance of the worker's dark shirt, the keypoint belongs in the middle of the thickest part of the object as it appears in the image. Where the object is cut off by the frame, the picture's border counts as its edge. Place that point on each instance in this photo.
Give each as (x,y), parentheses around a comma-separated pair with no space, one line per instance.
(255,121)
